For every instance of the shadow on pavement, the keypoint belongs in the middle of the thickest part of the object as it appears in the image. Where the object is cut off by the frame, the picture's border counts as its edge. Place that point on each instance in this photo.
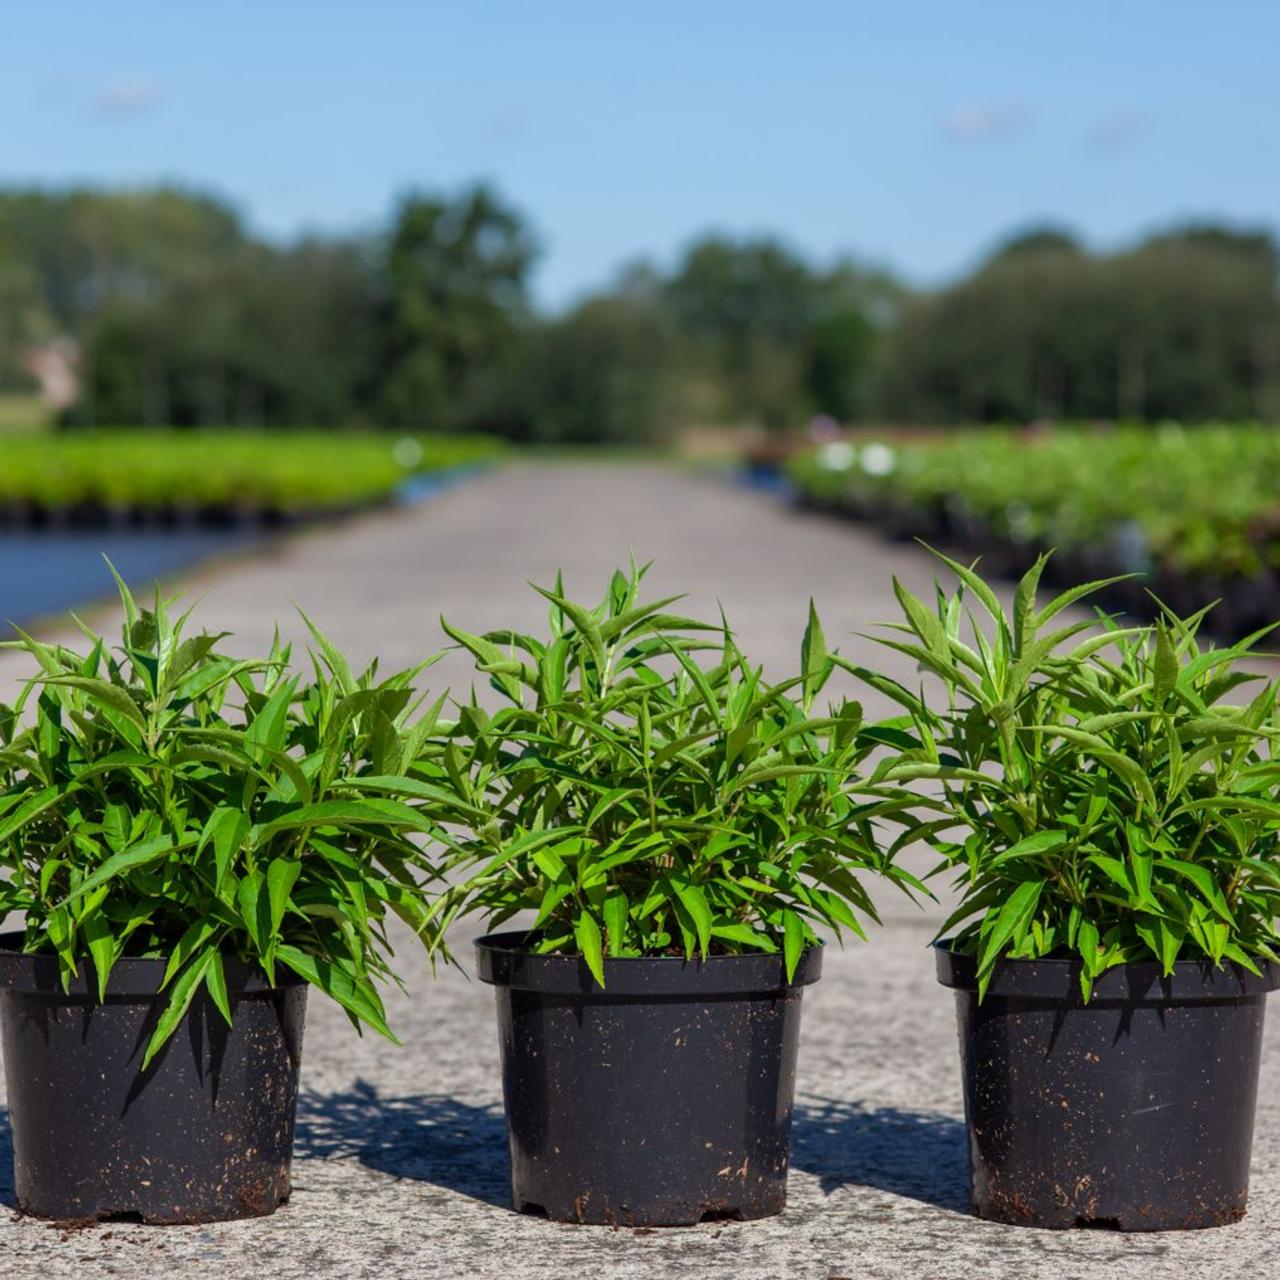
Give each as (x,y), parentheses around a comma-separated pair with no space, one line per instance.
(462,1147)
(428,1137)
(7,1196)
(918,1154)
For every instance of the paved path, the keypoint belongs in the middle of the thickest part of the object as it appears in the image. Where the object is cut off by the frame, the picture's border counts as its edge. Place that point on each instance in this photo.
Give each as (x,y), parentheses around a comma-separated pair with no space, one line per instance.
(401,1162)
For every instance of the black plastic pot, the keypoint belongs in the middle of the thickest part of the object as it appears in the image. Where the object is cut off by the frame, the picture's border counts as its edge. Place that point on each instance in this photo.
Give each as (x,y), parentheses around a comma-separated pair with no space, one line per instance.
(1134,1111)
(663,1099)
(204,1134)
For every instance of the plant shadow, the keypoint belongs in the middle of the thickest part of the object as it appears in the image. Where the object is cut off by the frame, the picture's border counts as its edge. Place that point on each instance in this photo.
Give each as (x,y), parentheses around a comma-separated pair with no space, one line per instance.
(427,1137)
(8,1196)
(463,1147)
(919,1154)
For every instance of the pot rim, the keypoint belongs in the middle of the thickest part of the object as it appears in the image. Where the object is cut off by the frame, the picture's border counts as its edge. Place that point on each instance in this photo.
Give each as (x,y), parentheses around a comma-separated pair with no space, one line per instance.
(1137,982)
(502,960)
(36,973)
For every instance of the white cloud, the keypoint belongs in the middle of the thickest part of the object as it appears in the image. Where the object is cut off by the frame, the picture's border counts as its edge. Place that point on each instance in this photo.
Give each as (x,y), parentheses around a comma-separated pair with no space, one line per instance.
(508,123)
(980,121)
(1117,131)
(132,96)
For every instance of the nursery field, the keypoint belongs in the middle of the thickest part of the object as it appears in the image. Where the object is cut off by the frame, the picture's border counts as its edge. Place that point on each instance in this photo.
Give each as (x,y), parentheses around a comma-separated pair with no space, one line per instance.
(1194,513)
(103,477)
(401,1164)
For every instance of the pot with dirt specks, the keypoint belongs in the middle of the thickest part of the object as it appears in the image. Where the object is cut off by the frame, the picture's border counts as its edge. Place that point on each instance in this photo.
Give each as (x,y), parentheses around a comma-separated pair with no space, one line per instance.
(204,1134)
(663,1098)
(1133,1111)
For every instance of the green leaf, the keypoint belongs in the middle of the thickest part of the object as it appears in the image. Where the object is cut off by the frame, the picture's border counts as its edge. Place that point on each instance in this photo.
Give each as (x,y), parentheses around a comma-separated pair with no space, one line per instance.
(585,625)
(742,935)
(792,942)
(282,875)
(924,622)
(110,696)
(415,789)
(1069,597)
(248,896)
(587,935)
(358,998)
(1009,922)
(980,590)
(96,931)
(194,938)
(340,813)
(265,734)
(1024,606)
(489,654)
(1202,879)
(179,1002)
(216,981)
(226,828)
(116,865)
(692,899)
(814,662)
(334,659)
(126,598)
(1166,667)
(1117,872)
(1039,842)
(616,911)
(32,807)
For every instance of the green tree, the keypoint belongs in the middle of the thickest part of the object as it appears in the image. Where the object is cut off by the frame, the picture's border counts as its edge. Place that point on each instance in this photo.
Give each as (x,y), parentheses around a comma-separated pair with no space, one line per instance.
(263,336)
(24,316)
(91,248)
(454,274)
(748,308)
(1186,325)
(606,373)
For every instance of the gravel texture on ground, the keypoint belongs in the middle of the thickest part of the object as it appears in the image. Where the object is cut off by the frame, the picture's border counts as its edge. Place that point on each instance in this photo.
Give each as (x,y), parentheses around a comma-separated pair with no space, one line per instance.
(401,1162)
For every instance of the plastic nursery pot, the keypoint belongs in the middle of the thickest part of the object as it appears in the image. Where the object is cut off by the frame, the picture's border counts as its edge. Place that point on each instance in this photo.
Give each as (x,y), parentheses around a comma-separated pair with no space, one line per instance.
(663,1099)
(1133,1111)
(204,1134)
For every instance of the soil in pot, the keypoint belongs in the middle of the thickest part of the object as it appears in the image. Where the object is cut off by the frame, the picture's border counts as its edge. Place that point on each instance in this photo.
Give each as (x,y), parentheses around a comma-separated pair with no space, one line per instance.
(663,1099)
(204,1134)
(1134,1111)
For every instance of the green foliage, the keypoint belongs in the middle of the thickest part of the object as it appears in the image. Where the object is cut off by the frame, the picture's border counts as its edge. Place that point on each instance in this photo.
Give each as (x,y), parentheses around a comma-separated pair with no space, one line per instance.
(454,273)
(164,799)
(1196,501)
(779,339)
(90,247)
(255,335)
(742,331)
(186,318)
(286,472)
(640,801)
(1111,802)
(1186,325)
(606,373)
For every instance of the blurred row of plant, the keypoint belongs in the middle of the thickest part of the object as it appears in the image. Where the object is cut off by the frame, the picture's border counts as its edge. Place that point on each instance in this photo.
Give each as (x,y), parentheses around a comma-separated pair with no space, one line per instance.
(219,471)
(1195,512)
(181,316)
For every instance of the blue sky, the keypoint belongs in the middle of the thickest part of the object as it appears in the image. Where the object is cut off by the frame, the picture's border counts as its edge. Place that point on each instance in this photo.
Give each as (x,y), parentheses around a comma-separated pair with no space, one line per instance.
(908,133)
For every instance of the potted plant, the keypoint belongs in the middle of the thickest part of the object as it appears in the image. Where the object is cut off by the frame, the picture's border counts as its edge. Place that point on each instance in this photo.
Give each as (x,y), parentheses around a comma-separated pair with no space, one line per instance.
(193,841)
(675,832)
(1119,880)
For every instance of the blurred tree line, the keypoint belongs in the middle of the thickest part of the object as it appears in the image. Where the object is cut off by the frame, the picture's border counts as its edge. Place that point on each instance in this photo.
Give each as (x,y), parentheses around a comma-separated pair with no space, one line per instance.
(1186,325)
(183,316)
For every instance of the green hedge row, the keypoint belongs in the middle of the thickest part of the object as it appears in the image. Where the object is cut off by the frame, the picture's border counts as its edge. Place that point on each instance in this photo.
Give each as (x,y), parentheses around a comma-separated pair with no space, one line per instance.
(1195,511)
(288,473)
